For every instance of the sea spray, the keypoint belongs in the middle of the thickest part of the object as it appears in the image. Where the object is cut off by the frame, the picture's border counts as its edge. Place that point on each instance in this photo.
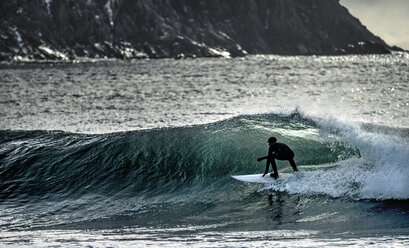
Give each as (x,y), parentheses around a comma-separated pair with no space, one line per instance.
(378,170)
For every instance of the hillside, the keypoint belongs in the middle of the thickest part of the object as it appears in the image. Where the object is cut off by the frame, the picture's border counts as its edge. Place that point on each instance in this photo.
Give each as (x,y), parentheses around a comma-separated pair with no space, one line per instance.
(68,29)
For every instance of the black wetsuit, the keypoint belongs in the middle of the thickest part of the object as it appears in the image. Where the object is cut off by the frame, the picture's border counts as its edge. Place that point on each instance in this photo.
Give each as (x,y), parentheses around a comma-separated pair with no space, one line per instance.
(278,151)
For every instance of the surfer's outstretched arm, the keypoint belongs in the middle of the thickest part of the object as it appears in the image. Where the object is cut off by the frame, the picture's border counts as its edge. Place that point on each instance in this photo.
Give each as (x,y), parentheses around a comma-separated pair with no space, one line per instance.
(262,158)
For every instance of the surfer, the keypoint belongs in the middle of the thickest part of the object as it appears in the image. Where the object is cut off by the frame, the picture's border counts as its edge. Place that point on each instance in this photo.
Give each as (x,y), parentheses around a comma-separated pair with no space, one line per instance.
(278,151)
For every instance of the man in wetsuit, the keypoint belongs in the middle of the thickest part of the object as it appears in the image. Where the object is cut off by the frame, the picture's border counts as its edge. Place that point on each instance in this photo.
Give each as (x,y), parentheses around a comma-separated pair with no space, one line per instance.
(278,151)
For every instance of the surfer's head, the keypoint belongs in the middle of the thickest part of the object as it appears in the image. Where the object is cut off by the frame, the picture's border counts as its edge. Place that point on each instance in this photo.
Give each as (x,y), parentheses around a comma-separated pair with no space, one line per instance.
(272,140)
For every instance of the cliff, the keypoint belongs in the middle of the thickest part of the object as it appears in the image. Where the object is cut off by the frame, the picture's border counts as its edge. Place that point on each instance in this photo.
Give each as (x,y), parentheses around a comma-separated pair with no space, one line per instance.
(67,29)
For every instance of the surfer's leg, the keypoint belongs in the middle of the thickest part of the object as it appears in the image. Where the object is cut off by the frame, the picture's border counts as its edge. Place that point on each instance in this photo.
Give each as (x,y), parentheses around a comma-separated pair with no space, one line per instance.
(292,163)
(273,164)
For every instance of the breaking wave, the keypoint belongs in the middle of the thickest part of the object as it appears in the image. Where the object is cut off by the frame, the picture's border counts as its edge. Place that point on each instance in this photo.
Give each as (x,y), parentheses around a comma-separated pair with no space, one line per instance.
(335,159)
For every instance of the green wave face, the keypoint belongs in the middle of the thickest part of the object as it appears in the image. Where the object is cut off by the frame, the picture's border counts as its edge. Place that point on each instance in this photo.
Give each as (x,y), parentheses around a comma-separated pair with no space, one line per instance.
(336,159)
(158,161)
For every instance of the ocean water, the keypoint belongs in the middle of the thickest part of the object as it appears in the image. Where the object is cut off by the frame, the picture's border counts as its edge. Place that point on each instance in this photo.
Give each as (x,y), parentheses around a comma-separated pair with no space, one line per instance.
(140,153)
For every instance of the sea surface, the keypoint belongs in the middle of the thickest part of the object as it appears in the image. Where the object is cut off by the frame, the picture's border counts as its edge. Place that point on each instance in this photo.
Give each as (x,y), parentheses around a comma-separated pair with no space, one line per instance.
(112,153)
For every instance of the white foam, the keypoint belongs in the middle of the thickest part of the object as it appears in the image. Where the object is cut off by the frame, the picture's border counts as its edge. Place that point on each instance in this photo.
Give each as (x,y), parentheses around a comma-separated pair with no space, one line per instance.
(174,237)
(381,172)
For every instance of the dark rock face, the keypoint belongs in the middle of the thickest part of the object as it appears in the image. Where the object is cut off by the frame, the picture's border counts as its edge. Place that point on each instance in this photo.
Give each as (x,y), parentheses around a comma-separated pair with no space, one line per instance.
(66,29)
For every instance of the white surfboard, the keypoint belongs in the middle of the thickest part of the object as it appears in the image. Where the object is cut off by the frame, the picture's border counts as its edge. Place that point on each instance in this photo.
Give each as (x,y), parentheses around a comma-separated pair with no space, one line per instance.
(258,178)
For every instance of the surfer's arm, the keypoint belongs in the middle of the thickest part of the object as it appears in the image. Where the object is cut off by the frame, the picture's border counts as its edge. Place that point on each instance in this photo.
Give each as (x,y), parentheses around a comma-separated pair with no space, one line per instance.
(272,154)
(262,158)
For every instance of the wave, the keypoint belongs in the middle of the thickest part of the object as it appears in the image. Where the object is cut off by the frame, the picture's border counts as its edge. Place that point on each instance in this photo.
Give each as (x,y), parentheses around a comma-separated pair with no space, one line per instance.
(336,159)
(379,172)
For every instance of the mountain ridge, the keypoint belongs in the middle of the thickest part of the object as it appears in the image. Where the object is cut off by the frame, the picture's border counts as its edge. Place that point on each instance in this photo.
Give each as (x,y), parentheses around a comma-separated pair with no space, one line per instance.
(127,29)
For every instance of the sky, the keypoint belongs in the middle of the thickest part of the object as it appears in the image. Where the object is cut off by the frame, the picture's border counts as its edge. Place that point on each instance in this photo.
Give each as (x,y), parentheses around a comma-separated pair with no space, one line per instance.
(388,19)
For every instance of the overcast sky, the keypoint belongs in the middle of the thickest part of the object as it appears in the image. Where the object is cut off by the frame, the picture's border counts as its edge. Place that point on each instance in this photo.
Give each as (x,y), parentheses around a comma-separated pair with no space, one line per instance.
(388,19)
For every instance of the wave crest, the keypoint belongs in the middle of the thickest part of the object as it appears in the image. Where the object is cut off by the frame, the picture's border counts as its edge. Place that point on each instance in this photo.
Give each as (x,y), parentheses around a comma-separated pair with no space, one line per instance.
(337,159)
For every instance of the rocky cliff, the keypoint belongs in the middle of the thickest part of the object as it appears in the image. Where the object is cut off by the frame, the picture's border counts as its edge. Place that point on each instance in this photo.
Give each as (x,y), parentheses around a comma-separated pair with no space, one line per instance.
(67,29)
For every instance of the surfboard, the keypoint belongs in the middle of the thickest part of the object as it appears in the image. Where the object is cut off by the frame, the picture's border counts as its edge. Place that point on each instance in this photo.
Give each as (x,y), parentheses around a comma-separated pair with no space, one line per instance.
(257,178)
